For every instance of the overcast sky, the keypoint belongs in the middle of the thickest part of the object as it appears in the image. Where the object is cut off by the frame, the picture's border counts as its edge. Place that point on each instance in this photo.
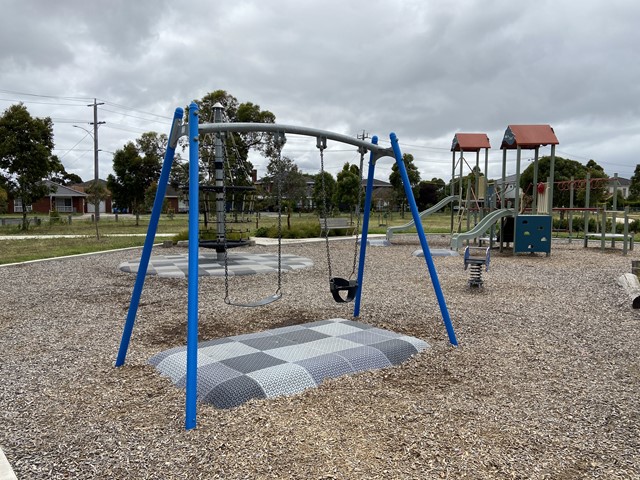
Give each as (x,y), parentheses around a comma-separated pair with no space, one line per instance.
(424,69)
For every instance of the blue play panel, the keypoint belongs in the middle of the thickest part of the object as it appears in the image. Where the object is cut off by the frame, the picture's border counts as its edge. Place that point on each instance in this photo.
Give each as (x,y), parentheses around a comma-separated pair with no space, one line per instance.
(286,360)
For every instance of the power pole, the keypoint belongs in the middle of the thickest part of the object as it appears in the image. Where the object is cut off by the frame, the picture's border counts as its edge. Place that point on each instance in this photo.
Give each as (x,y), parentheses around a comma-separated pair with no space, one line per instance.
(364,135)
(96,177)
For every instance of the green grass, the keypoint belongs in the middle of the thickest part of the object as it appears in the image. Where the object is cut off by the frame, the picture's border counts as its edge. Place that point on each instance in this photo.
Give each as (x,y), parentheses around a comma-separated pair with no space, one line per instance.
(301,225)
(12,251)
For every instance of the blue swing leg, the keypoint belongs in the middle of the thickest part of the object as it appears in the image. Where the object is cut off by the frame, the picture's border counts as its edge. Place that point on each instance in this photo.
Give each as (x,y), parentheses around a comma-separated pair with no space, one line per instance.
(365,228)
(423,239)
(151,233)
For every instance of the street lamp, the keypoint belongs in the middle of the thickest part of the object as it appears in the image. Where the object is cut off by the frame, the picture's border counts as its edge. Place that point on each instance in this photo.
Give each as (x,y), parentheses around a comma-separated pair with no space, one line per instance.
(95,164)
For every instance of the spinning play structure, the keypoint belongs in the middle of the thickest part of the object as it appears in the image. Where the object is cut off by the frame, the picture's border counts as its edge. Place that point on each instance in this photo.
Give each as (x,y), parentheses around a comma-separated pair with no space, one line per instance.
(374,346)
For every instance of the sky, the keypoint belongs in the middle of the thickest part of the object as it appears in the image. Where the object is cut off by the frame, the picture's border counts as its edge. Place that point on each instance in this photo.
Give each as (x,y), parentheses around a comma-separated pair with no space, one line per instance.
(424,69)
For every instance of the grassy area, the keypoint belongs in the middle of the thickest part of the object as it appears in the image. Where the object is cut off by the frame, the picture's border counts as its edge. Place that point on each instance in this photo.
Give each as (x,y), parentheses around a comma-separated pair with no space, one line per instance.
(295,226)
(22,250)
(12,251)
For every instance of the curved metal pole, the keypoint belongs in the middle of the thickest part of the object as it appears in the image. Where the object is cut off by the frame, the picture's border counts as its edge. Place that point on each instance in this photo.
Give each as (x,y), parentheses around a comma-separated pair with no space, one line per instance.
(296,130)
(423,239)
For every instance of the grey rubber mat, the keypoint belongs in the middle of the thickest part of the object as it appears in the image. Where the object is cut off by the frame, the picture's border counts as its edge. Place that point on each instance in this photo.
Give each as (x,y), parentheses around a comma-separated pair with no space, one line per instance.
(177,266)
(286,360)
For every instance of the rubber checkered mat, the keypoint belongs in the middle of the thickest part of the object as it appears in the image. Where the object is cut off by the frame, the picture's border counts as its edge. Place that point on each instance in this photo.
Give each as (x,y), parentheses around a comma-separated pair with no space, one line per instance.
(285,360)
(177,266)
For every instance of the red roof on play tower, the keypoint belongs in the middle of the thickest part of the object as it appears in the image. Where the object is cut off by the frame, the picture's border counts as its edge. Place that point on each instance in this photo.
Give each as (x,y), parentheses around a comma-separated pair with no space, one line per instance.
(528,136)
(469,142)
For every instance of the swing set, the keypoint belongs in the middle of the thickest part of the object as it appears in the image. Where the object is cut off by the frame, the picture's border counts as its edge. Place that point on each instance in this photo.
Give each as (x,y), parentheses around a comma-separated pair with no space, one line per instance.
(342,290)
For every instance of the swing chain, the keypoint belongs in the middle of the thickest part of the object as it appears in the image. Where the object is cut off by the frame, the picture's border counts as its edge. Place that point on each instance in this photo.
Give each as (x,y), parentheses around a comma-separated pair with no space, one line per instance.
(358,214)
(224,223)
(279,141)
(321,144)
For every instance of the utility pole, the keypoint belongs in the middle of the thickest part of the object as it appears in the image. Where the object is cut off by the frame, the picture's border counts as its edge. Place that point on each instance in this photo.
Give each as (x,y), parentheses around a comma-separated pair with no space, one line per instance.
(364,135)
(95,124)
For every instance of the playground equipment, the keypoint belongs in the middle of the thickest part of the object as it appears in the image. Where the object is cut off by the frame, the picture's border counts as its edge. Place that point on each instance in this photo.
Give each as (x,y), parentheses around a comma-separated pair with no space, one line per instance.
(605,219)
(475,200)
(337,285)
(425,213)
(530,232)
(192,129)
(475,264)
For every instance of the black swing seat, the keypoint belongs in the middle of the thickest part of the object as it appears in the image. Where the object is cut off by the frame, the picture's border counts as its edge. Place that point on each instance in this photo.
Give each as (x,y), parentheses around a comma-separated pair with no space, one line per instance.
(337,285)
(257,303)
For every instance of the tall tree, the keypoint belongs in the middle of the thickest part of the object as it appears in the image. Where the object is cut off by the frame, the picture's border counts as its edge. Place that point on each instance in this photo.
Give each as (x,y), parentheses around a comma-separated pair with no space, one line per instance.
(323,197)
(634,187)
(396,180)
(289,183)
(236,145)
(26,158)
(136,166)
(564,170)
(428,194)
(4,200)
(348,188)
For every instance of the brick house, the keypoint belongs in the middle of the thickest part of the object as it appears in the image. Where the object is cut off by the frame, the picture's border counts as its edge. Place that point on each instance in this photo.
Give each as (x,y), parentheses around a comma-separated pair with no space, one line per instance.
(61,199)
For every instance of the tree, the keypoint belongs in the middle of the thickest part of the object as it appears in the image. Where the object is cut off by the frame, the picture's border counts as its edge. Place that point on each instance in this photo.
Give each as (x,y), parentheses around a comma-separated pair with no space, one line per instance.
(634,187)
(564,170)
(348,188)
(26,158)
(396,180)
(236,145)
(323,197)
(136,166)
(285,176)
(96,193)
(427,194)
(4,200)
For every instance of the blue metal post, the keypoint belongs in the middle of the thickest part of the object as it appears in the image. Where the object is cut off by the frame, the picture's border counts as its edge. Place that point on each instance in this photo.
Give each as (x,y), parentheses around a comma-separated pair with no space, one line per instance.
(365,228)
(423,239)
(148,242)
(192,291)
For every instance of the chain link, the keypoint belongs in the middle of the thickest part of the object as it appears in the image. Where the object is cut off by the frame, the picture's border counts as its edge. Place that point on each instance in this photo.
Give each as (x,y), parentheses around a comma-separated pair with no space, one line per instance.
(224,223)
(358,215)
(322,144)
(280,143)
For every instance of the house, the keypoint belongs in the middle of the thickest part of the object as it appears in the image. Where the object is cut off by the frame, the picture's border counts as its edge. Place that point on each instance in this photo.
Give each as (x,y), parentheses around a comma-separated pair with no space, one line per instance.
(622,186)
(105,205)
(61,199)
(176,200)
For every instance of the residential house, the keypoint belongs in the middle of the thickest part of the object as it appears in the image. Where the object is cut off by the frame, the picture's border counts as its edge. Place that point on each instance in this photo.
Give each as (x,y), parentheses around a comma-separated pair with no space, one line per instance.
(622,186)
(61,199)
(105,205)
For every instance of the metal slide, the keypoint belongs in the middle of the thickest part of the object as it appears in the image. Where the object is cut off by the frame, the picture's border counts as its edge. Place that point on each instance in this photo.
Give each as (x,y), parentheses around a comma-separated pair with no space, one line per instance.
(480,229)
(438,206)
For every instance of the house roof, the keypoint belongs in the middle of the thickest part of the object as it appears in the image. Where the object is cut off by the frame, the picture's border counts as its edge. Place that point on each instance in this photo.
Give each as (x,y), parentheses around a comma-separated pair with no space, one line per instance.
(62,191)
(470,142)
(377,183)
(622,182)
(528,137)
